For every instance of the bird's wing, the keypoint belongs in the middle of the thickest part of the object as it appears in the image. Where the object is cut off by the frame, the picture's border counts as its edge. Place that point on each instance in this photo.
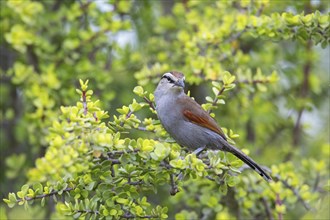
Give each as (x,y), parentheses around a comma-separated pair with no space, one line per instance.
(194,113)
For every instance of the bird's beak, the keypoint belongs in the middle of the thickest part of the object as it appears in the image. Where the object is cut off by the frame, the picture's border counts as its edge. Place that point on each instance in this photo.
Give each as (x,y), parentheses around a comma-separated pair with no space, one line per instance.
(179,83)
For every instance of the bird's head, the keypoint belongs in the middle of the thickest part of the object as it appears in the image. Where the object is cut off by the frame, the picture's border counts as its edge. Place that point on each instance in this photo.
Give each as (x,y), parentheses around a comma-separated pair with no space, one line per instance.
(172,80)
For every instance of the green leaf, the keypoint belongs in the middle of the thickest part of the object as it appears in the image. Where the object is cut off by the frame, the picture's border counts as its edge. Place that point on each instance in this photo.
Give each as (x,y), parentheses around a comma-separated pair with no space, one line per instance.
(209,99)
(215,91)
(31,193)
(122,200)
(216,84)
(25,188)
(38,188)
(229,86)
(10,204)
(178,163)
(221,101)
(261,87)
(138,90)
(135,106)
(124,110)
(147,146)
(324,21)
(77,215)
(20,194)
(113,212)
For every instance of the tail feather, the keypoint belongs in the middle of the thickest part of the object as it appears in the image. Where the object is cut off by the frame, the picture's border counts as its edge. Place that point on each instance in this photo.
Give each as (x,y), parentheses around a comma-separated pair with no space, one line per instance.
(251,163)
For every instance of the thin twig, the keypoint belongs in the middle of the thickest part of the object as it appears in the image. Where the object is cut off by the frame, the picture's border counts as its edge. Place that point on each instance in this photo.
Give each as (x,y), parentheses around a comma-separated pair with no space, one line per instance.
(114,161)
(135,183)
(142,128)
(128,215)
(118,152)
(88,211)
(267,208)
(112,170)
(128,115)
(174,187)
(295,192)
(238,34)
(166,165)
(80,46)
(279,203)
(151,104)
(254,82)
(95,116)
(84,101)
(304,91)
(214,103)
(245,81)
(54,192)
(317,180)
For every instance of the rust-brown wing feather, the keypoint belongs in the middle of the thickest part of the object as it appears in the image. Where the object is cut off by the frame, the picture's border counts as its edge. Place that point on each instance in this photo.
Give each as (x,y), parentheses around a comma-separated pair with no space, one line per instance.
(194,113)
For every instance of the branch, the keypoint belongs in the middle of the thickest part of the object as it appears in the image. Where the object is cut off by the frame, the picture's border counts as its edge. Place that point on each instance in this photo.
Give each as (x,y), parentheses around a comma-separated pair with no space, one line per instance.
(303,94)
(135,183)
(244,81)
(113,161)
(54,192)
(238,34)
(151,104)
(127,117)
(317,180)
(117,152)
(128,215)
(268,209)
(279,202)
(255,81)
(33,58)
(174,187)
(84,101)
(142,128)
(83,7)
(214,103)
(166,165)
(88,211)
(80,46)
(295,192)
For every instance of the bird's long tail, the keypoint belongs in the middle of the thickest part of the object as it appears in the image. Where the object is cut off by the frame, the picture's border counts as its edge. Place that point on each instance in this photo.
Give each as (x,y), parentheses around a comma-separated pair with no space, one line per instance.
(246,159)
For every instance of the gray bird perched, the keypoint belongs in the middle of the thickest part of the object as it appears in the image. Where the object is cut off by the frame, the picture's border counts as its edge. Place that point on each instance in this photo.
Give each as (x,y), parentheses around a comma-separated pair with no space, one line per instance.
(189,124)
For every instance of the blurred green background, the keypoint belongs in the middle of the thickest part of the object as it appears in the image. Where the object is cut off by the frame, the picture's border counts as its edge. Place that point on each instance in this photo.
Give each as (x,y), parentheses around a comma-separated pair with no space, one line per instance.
(280,106)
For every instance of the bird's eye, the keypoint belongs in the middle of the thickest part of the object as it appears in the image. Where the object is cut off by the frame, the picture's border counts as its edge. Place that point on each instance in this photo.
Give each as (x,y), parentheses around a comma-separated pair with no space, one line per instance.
(168,78)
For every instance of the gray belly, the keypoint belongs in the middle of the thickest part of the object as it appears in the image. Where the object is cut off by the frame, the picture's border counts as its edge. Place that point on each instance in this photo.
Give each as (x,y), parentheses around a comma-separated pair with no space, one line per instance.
(193,136)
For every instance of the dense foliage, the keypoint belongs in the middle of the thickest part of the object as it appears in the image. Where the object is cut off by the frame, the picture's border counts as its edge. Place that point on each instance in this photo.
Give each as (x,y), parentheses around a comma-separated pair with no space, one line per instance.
(79,132)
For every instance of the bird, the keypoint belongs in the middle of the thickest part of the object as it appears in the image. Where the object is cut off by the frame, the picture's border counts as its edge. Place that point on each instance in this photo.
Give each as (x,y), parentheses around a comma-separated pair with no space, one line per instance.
(189,124)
